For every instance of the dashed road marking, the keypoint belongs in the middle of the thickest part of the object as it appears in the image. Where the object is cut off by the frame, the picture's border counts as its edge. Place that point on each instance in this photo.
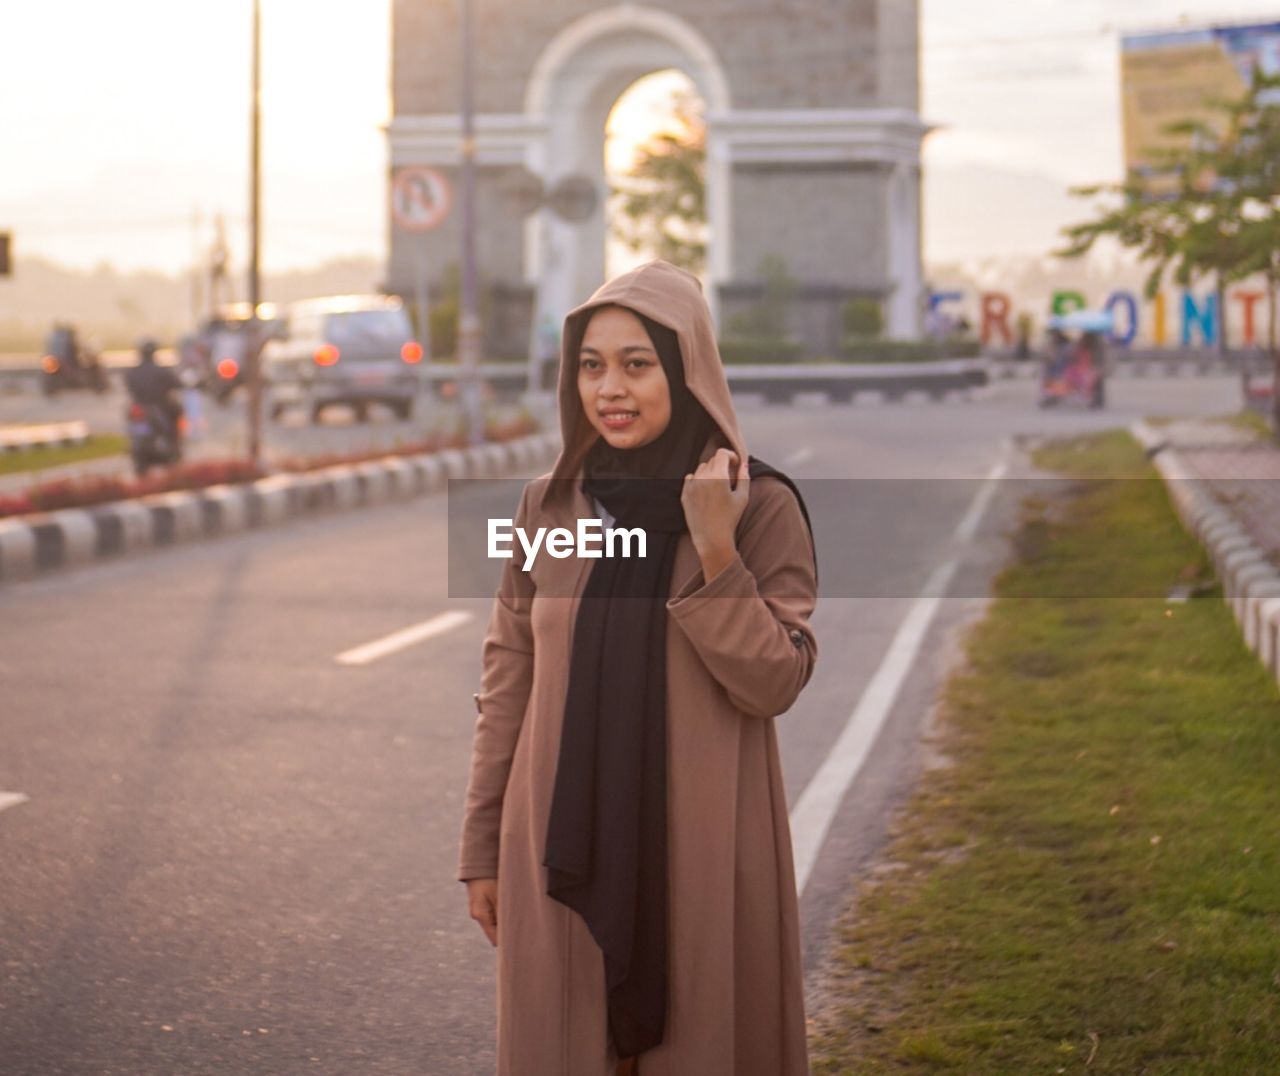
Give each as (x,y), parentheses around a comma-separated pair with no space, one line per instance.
(406,637)
(12,799)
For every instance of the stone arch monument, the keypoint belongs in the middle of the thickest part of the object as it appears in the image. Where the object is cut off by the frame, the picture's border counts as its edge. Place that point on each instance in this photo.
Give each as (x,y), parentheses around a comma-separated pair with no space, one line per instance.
(813,148)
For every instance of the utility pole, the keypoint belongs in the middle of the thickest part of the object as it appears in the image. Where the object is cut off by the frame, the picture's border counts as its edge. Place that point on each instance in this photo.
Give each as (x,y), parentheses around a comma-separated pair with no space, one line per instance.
(197,267)
(469,330)
(253,350)
(218,258)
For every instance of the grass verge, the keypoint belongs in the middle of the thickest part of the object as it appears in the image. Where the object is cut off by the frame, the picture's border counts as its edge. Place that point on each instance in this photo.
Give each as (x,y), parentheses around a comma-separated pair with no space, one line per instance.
(1090,884)
(96,447)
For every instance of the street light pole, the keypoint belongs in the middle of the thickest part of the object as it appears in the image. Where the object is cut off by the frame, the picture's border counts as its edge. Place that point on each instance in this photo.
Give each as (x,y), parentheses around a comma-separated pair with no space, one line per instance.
(469,330)
(253,350)
(197,270)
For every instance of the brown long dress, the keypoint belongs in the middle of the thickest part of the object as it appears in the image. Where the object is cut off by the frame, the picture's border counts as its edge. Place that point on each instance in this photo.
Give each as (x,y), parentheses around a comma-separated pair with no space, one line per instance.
(739,651)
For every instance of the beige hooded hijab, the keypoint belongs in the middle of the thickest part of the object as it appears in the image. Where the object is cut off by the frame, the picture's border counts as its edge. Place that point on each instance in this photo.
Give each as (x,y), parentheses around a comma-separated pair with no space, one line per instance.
(739,650)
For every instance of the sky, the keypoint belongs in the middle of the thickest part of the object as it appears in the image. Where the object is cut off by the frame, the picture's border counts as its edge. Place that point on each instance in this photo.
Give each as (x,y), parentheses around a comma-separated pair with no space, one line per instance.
(124,126)
(119,121)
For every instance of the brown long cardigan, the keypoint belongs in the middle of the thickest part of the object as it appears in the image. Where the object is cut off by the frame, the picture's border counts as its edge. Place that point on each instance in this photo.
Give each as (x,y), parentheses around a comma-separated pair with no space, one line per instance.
(739,651)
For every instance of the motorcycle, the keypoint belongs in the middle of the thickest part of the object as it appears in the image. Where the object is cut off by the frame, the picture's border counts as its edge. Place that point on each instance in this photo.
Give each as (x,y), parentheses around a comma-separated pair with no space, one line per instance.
(155,438)
(227,339)
(69,364)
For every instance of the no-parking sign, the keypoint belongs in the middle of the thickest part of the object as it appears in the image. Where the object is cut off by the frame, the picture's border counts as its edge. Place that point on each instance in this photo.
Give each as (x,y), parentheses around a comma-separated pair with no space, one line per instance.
(420,198)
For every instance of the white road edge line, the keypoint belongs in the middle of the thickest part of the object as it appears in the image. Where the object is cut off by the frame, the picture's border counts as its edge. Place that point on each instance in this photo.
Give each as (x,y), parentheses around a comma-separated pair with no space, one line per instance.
(816,808)
(12,799)
(968,525)
(406,637)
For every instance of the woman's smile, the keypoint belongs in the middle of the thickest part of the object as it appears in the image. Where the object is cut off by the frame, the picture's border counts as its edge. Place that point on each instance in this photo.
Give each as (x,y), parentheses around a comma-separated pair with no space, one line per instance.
(617,420)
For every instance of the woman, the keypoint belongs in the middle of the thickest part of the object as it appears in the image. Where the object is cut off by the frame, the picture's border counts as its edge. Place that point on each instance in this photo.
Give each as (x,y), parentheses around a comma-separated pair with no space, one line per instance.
(625,842)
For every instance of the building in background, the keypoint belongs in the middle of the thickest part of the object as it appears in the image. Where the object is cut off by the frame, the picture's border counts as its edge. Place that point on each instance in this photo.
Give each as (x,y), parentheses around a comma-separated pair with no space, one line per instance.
(1168,76)
(813,151)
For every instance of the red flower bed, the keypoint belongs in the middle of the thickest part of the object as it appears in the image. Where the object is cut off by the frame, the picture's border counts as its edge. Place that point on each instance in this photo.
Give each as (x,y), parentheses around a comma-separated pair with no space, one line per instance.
(88,492)
(510,431)
(15,506)
(102,489)
(296,465)
(496,432)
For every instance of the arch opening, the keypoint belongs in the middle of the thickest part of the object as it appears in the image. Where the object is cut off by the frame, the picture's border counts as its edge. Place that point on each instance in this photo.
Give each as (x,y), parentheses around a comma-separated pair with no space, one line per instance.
(655,170)
(580,78)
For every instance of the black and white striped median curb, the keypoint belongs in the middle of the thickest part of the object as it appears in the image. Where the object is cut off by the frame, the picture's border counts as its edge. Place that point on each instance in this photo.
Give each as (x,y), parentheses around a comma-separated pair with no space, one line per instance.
(33,544)
(1250,582)
(1005,369)
(846,383)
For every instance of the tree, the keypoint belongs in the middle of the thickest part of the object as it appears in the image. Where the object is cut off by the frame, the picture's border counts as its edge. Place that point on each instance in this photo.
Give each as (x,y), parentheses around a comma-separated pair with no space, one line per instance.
(1222,218)
(1189,229)
(663,198)
(1248,167)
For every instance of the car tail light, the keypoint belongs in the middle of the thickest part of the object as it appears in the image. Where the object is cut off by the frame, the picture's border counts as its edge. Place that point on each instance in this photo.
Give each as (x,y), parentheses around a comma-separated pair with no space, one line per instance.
(411,352)
(326,355)
(228,368)
(50,364)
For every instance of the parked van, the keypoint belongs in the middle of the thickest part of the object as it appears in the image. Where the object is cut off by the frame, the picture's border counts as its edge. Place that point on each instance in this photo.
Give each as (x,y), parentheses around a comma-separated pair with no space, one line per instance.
(355,350)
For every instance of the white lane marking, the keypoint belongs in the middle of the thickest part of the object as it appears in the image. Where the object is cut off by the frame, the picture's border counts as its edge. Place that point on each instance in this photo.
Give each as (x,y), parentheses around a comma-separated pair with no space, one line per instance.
(816,809)
(800,455)
(399,640)
(12,799)
(968,525)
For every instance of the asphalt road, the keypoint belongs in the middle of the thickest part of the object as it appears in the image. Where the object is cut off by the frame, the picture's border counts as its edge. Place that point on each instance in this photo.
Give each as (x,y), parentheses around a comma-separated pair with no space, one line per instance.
(236,853)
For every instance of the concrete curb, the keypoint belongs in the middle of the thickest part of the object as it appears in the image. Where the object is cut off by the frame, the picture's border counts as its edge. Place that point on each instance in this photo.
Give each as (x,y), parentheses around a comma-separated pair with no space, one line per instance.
(1006,369)
(35,544)
(17,550)
(1250,582)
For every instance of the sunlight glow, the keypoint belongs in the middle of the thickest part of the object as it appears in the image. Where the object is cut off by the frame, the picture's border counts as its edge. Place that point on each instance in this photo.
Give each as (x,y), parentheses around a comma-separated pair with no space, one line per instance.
(641,112)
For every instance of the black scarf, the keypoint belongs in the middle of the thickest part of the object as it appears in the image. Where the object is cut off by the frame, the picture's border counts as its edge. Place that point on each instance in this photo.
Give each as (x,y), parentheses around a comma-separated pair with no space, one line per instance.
(606,848)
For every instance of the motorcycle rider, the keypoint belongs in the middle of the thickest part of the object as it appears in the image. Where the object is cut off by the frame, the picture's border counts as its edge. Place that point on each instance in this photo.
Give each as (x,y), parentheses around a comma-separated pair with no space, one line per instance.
(155,387)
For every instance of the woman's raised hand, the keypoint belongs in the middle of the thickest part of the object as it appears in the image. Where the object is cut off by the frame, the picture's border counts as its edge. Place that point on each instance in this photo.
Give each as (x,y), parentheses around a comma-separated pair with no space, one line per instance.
(713,504)
(482,901)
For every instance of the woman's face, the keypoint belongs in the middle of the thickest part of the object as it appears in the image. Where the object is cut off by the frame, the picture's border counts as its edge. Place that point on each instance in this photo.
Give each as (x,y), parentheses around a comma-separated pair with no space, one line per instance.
(621,381)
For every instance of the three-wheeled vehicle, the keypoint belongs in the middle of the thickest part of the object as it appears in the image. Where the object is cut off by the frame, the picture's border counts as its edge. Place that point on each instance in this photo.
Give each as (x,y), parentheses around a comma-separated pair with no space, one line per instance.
(1075,363)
